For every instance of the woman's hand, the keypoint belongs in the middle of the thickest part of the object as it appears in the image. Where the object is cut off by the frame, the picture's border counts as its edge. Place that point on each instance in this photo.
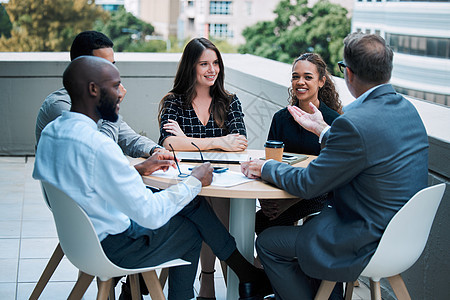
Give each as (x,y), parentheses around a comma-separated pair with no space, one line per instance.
(173,128)
(233,142)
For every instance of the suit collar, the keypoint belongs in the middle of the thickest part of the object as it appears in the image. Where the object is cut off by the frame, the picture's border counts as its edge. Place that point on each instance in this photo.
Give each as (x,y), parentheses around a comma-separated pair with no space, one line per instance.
(372,93)
(380,90)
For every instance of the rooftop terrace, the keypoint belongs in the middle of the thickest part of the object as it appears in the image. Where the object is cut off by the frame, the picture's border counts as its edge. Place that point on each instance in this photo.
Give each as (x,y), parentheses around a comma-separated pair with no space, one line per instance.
(26,229)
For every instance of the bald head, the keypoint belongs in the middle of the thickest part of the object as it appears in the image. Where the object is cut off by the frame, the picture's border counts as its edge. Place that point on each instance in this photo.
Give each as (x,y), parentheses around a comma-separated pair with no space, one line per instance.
(92,82)
(83,70)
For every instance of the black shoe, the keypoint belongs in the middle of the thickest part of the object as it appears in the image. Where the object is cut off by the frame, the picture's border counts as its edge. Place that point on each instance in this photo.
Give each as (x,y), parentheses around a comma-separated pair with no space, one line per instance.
(254,290)
(125,294)
(249,291)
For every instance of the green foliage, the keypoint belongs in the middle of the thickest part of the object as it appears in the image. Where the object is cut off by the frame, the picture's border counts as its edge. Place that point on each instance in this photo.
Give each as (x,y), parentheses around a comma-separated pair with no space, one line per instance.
(223,46)
(5,23)
(298,29)
(122,26)
(47,25)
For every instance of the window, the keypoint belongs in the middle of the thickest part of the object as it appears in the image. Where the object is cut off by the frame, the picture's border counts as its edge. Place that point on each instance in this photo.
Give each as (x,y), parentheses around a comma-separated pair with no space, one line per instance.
(110,7)
(427,96)
(191,24)
(220,7)
(220,31)
(419,45)
(403,44)
(248,7)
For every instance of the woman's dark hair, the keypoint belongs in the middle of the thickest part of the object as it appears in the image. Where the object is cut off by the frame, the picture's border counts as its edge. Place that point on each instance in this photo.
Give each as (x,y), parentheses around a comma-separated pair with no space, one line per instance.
(186,79)
(327,94)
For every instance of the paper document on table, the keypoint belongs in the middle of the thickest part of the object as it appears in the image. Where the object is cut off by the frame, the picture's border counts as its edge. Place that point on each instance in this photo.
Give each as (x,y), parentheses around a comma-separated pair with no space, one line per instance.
(217,157)
(225,179)
(229,178)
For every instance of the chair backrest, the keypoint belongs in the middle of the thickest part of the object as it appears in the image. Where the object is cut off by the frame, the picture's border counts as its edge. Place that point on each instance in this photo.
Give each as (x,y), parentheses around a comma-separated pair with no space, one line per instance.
(79,240)
(45,196)
(406,235)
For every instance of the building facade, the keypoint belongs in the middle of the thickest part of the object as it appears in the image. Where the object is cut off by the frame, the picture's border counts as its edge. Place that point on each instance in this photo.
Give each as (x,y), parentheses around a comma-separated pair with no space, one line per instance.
(419,33)
(162,14)
(222,19)
(208,18)
(110,5)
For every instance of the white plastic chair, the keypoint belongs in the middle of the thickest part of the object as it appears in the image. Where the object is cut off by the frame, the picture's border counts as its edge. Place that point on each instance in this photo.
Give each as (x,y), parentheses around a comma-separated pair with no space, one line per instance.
(52,264)
(82,247)
(400,246)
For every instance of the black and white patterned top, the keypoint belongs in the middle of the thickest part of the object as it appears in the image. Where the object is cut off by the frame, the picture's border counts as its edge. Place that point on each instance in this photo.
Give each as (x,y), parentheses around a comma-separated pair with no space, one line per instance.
(191,124)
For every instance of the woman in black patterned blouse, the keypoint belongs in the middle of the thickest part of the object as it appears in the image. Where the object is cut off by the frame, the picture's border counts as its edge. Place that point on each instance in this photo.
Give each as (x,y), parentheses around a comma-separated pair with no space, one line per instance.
(198,109)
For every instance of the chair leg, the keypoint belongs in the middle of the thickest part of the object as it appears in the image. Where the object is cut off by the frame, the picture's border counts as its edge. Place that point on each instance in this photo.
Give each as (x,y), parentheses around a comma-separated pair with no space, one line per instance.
(54,261)
(153,285)
(135,288)
(112,292)
(325,289)
(375,290)
(348,292)
(399,287)
(163,276)
(83,282)
(104,288)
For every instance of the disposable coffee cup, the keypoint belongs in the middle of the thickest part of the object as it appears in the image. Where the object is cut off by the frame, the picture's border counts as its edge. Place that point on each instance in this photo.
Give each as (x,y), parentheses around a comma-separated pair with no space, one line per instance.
(274,150)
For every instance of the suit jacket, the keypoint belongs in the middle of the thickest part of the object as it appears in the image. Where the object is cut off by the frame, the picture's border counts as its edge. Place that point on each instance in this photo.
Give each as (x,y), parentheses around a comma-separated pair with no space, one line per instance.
(374,160)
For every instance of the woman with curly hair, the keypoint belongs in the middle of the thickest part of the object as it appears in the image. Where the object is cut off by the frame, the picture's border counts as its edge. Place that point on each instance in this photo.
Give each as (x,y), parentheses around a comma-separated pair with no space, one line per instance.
(310,83)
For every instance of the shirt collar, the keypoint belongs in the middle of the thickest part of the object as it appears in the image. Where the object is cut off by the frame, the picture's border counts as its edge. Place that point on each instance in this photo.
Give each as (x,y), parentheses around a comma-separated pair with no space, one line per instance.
(360,99)
(80,117)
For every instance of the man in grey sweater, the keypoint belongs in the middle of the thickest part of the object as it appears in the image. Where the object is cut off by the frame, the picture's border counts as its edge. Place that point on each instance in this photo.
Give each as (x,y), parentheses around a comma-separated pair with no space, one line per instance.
(96,44)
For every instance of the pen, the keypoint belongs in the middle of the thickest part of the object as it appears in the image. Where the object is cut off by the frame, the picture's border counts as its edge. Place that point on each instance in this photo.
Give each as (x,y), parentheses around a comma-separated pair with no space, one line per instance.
(216,169)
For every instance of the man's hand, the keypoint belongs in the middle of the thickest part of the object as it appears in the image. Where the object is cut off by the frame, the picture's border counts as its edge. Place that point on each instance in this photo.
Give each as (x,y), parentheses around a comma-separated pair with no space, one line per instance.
(204,173)
(158,161)
(312,122)
(273,208)
(252,169)
(161,150)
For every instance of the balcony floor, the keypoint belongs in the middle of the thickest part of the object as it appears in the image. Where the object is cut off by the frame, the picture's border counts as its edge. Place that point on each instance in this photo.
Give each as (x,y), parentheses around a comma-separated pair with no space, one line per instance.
(28,238)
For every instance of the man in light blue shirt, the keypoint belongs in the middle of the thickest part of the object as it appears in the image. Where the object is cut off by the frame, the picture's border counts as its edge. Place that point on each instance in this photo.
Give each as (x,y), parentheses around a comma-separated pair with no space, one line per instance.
(137,228)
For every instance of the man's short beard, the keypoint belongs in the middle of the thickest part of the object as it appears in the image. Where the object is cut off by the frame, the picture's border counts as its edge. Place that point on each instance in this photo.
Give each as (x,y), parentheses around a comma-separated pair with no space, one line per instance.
(106,110)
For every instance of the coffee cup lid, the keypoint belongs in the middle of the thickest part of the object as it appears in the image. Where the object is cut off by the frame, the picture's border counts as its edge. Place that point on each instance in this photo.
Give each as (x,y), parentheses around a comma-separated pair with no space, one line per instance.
(274,144)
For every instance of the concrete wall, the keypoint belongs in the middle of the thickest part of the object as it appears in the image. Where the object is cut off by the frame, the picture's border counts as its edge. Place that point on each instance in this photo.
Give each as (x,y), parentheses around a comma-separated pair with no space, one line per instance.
(261,85)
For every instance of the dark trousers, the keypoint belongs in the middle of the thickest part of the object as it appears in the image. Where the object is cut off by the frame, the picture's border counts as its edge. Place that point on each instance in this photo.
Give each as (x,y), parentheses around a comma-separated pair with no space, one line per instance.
(276,250)
(181,238)
(294,213)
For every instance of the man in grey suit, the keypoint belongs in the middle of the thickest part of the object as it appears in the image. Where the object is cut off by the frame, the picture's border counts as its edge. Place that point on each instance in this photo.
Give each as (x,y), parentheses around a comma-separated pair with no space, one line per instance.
(374,159)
